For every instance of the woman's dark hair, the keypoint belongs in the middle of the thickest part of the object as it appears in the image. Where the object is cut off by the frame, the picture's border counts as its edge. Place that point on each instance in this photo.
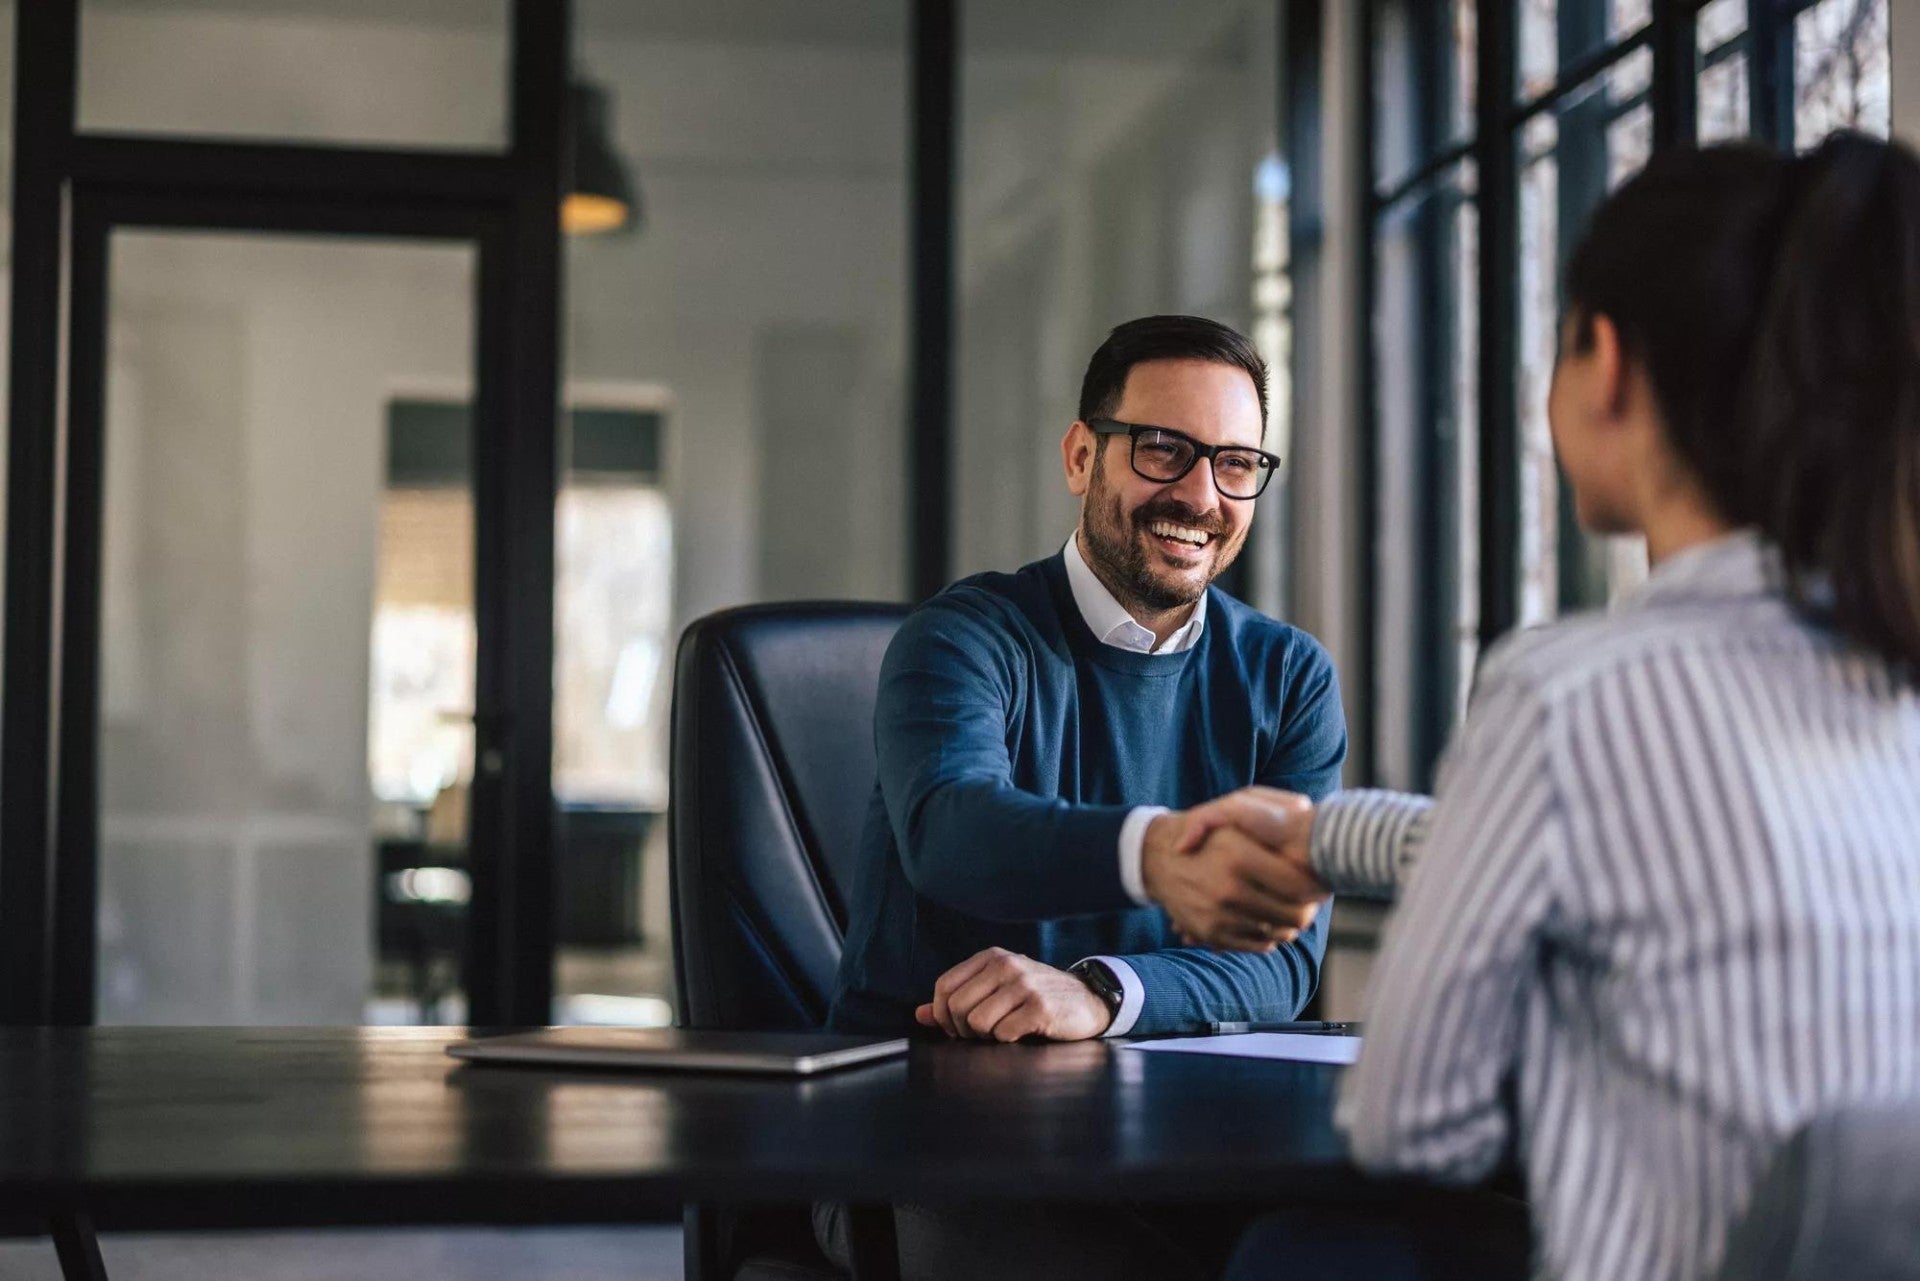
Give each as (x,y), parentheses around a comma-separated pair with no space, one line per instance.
(1775,304)
(1164,338)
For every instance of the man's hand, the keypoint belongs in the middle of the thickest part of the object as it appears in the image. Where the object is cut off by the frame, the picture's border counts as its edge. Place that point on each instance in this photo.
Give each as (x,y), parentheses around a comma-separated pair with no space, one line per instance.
(997,995)
(1234,873)
(1281,821)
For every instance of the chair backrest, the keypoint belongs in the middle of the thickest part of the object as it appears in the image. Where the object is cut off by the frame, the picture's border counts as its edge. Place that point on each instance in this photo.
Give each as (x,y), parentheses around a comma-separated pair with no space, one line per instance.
(772,775)
(1841,1200)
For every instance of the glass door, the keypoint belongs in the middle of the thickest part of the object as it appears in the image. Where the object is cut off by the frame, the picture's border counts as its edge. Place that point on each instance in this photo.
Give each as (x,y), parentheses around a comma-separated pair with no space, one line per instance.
(287,642)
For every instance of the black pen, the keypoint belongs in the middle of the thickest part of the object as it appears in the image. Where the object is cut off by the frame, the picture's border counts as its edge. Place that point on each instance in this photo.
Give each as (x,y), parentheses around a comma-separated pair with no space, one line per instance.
(1309,1025)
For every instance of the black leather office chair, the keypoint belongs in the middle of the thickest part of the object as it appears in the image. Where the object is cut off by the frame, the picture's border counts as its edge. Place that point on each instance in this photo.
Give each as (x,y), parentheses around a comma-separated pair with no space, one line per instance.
(1841,1200)
(772,773)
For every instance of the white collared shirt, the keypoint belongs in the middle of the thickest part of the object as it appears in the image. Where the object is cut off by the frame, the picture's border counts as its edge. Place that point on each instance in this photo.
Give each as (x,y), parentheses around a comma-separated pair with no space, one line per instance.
(1112,625)
(1109,620)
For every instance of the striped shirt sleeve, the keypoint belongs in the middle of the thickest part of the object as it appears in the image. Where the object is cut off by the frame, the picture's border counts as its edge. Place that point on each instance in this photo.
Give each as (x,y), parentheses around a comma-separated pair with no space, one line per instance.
(1365,843)
(1443,1023)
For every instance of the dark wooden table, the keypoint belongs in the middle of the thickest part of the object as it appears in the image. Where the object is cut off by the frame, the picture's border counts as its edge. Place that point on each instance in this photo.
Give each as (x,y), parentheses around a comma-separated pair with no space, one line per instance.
(143,1128)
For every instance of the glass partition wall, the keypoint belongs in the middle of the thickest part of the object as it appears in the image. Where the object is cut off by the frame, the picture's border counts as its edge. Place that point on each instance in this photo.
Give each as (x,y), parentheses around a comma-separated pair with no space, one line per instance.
(751,308)
(286,637)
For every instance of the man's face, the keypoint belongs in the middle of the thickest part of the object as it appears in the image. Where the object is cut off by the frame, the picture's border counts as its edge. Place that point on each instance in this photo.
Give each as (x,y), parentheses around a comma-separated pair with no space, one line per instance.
(1157,546)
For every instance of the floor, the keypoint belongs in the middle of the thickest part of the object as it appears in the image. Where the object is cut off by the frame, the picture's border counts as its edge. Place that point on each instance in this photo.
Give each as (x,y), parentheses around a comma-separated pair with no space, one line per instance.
(464,1254)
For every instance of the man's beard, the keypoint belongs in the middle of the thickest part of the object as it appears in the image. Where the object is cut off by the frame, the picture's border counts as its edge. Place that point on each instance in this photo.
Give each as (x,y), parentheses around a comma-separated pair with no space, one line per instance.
(1117,551)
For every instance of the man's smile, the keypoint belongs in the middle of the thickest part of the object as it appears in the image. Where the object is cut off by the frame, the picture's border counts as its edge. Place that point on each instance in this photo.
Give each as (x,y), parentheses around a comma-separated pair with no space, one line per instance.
(1178,541)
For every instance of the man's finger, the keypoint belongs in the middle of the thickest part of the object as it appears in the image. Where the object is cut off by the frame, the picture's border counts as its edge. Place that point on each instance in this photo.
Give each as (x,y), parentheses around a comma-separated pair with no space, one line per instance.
(1025,1019)
(1287,919)
(1237,928)
(1202,821)
(961,1004)
(1271,819)
(986,1016)
(1276,893)
(943,1012)
(960,973)
(943,1017)
(954,979)
(924,1016)
(1251,864)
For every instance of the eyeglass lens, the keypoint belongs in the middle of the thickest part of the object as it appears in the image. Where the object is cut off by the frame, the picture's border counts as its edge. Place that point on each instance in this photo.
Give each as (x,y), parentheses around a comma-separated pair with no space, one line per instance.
(1162,456)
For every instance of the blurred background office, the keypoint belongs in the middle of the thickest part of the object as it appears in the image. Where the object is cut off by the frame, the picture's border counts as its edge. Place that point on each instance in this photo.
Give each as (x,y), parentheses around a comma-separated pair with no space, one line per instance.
(338,660)
(828,280)
(287,654)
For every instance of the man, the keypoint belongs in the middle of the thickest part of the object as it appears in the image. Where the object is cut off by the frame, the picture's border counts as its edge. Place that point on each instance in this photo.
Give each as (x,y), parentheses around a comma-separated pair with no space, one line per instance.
(1043,736)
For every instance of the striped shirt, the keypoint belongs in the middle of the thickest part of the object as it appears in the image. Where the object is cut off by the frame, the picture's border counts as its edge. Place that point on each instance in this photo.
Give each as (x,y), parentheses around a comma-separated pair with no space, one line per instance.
(1663,908)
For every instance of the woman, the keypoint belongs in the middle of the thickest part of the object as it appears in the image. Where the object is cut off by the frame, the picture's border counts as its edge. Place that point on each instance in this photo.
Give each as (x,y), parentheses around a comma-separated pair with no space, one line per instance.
(1665,904)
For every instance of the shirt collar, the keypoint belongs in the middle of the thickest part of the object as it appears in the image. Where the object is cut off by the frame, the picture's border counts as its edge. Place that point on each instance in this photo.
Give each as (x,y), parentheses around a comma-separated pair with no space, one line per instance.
(1735,565)
(1109,620)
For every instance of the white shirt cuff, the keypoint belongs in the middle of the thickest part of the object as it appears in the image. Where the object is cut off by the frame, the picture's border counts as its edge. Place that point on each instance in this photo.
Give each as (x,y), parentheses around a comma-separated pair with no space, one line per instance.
(1133,995)
(1133,841)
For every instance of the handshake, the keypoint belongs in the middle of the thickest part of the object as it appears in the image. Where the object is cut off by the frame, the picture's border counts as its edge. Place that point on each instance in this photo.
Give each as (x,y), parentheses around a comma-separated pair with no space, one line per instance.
(1234,873)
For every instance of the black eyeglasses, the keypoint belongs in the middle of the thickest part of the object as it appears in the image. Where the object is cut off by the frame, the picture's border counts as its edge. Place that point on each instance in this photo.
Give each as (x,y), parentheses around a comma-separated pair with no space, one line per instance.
(1163,455)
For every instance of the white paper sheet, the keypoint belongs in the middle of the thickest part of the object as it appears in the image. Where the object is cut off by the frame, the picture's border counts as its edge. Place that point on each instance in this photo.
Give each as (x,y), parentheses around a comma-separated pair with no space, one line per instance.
(1297,1047)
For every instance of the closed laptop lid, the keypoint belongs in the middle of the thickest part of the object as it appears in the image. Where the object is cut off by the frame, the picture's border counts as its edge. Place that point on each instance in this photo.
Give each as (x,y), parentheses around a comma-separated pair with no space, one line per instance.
(681,1049)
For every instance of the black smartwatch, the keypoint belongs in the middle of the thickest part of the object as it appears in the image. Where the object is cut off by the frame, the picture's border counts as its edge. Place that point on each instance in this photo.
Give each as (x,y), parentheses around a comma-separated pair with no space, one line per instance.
(1102,982)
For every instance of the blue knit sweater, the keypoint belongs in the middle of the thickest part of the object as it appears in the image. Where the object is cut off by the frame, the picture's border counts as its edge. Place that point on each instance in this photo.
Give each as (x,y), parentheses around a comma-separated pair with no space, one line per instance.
(1012,744)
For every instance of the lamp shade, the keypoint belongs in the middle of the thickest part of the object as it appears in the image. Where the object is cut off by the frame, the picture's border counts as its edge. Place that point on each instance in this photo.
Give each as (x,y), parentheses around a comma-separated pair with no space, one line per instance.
(600,197)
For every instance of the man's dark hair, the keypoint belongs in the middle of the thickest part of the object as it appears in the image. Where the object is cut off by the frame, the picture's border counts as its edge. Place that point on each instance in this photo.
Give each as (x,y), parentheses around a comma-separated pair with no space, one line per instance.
(1164,338)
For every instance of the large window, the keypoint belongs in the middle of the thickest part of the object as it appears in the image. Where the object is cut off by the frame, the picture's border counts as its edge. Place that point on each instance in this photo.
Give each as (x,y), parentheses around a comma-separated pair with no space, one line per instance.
(1498,126)
(1425,378)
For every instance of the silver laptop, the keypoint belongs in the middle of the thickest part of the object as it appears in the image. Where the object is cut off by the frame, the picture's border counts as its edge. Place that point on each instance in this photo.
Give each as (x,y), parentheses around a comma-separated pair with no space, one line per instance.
(679,1050)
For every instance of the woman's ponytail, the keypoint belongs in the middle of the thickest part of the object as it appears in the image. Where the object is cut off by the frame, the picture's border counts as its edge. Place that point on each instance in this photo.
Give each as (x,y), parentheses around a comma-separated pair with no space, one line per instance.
(1834,394)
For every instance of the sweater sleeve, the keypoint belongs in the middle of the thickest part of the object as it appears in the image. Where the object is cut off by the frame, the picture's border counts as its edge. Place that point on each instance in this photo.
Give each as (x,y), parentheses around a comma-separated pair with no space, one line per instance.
(968,838)
(1311,746)
(1186,988)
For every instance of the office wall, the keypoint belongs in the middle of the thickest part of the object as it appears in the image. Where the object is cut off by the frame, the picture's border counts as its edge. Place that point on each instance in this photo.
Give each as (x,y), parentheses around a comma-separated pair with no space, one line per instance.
(766,292)
(1108,155)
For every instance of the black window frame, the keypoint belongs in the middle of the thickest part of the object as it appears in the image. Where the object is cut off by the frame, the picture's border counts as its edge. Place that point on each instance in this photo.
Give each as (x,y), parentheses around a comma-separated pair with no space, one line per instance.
(1494,147)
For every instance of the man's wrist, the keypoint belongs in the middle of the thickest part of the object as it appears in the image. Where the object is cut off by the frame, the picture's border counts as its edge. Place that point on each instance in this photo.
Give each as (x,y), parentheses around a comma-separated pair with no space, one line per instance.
(1133,835)
(1118,988)
(1158,840)
(1100,981)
